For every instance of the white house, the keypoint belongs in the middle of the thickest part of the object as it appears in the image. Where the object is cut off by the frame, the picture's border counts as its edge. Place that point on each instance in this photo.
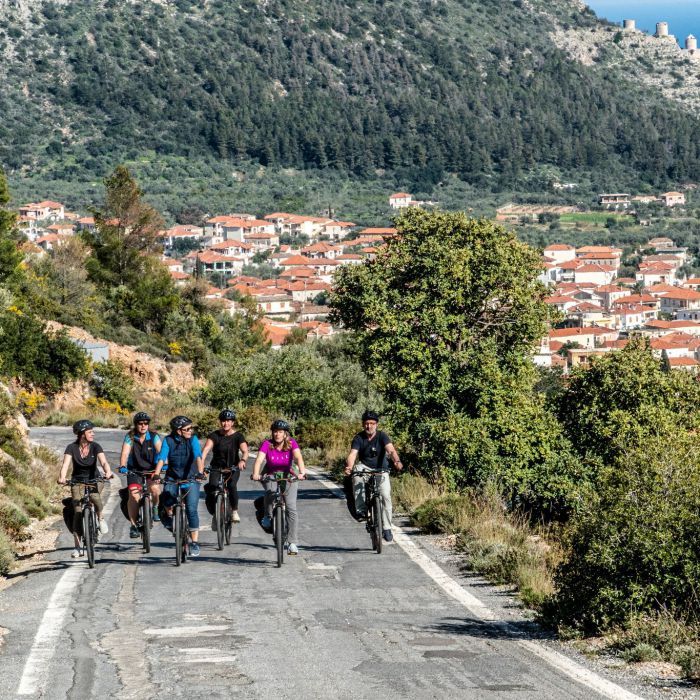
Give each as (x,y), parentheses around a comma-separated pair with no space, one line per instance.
(400,200)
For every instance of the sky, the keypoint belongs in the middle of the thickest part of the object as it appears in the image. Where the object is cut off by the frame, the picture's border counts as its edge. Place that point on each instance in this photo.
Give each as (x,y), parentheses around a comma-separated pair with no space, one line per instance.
(683,16)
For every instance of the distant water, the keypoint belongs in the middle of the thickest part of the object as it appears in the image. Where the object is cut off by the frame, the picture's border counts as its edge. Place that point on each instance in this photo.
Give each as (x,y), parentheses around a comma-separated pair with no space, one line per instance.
(683,16)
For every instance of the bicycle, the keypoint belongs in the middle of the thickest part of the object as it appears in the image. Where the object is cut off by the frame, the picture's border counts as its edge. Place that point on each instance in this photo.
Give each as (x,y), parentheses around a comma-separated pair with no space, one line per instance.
(373,503)
(279,511)
(89,518)
(181,530)
(145,517)
(222,510)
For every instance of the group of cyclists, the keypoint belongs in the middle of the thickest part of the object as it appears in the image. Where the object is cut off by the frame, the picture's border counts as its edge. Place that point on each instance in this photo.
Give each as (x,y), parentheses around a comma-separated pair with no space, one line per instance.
(159,464)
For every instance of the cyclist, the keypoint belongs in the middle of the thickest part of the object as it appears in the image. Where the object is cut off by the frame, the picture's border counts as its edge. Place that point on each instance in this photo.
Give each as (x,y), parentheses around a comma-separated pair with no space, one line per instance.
(229,451)
(139,454)
(279,454)
(183,453)
(372,447)
(83,455)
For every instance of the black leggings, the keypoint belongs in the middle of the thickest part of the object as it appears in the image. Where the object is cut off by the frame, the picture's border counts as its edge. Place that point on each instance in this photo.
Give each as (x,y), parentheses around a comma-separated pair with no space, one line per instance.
(232,484)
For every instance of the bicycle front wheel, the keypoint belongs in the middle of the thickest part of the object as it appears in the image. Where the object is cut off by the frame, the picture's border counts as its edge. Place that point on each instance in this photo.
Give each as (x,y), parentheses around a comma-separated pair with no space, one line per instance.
(179,534)
(377,524)
(89,535)
(146,523)
(279,533)
(229,523)
(220,520)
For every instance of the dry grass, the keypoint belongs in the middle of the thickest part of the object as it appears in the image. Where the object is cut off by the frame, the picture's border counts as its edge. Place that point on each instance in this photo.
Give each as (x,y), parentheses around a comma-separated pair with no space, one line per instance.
(502,546)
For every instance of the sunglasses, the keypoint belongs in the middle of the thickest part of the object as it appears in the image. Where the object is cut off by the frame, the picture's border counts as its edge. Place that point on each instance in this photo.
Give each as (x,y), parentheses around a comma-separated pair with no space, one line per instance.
(188,429)
(143,422)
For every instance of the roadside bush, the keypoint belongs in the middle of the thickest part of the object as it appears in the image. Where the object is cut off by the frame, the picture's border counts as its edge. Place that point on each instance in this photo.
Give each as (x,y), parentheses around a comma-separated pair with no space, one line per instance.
(12,518)
(294,381)
(7,556)
(31,498)
(633,548)
(36,356)
(110,381)
(409,491)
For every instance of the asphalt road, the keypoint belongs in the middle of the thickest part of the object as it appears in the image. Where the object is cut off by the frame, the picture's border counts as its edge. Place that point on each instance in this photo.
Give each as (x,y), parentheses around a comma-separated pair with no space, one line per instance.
(337,621)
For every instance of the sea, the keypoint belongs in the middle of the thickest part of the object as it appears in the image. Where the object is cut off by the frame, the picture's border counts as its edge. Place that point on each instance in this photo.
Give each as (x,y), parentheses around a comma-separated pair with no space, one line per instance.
(683,16)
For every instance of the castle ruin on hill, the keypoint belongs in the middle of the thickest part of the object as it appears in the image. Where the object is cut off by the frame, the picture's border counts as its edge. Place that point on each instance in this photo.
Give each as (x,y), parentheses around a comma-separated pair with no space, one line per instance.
(691,43)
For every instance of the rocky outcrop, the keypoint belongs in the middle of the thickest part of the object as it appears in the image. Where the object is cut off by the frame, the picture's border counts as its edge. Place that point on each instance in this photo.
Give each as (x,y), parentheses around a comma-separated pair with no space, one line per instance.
(152,375)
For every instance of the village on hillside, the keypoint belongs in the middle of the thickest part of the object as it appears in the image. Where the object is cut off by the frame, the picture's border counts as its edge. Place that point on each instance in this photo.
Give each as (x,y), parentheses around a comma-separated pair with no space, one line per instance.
(285,263)
(600,311)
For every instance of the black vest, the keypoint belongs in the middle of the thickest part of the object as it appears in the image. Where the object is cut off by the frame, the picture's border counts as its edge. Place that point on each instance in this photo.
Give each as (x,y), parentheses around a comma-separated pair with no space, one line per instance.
(143,455)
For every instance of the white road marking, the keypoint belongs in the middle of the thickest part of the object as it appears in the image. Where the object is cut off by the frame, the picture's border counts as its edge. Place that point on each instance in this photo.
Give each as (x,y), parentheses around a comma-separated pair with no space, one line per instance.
(46,639)
(322,567)
(205,655)
(202,630)
(482,612)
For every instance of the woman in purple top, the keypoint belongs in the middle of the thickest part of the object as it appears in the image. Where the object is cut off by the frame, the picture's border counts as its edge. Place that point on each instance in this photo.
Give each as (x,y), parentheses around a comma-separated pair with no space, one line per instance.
(279,454)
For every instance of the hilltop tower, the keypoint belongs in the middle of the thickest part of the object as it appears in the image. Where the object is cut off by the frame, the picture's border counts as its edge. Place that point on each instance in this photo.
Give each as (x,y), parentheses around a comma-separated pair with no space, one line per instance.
(691,43)
(661,29)
(629,25)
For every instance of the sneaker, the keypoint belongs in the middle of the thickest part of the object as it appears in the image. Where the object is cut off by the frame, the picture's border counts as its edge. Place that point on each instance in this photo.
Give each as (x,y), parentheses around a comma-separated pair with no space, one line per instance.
(292,549)
(134,532)
(104,528)
(266,522)
(194,550)
(387,535)
(167,522)
(360,516)
(235,518)
(77,553)
(156,516)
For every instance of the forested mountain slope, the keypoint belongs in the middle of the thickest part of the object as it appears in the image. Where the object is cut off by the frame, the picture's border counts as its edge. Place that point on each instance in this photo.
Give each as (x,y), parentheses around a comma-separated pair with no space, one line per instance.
(474,87)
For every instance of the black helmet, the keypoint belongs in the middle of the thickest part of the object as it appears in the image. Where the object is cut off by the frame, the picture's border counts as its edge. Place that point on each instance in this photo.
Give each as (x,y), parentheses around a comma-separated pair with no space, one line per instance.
(179,422)
(370,415)
(227,414)
(80,426)
(280,425)
(141,417)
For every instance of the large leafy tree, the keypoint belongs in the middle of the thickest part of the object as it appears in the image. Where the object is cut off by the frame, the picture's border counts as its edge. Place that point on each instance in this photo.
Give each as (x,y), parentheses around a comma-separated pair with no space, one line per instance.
(445,319)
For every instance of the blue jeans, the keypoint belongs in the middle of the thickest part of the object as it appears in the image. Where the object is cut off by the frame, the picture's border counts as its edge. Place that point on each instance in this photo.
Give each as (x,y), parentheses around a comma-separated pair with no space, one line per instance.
(169,498)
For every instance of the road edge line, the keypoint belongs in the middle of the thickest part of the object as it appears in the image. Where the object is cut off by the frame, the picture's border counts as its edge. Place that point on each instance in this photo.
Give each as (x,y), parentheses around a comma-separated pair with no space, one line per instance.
(46,638)
(455,590)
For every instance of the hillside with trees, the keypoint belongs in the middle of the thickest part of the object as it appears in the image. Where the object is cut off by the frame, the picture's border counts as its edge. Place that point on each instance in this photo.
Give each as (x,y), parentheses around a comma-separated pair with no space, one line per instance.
(420,88)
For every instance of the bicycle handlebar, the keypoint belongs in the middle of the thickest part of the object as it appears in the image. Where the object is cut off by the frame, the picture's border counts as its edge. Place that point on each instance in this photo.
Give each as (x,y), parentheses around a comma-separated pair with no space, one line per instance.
(367,472)
(268,477)
(75,482)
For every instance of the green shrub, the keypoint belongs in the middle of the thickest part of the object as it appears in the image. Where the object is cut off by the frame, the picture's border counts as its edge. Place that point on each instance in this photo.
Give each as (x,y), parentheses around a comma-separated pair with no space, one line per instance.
(110,381)
(12,518)
(36,356)
(449,514)
(410,491)
(633,547)
(641,652)
(31,499)
(7,556)
(688,658)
